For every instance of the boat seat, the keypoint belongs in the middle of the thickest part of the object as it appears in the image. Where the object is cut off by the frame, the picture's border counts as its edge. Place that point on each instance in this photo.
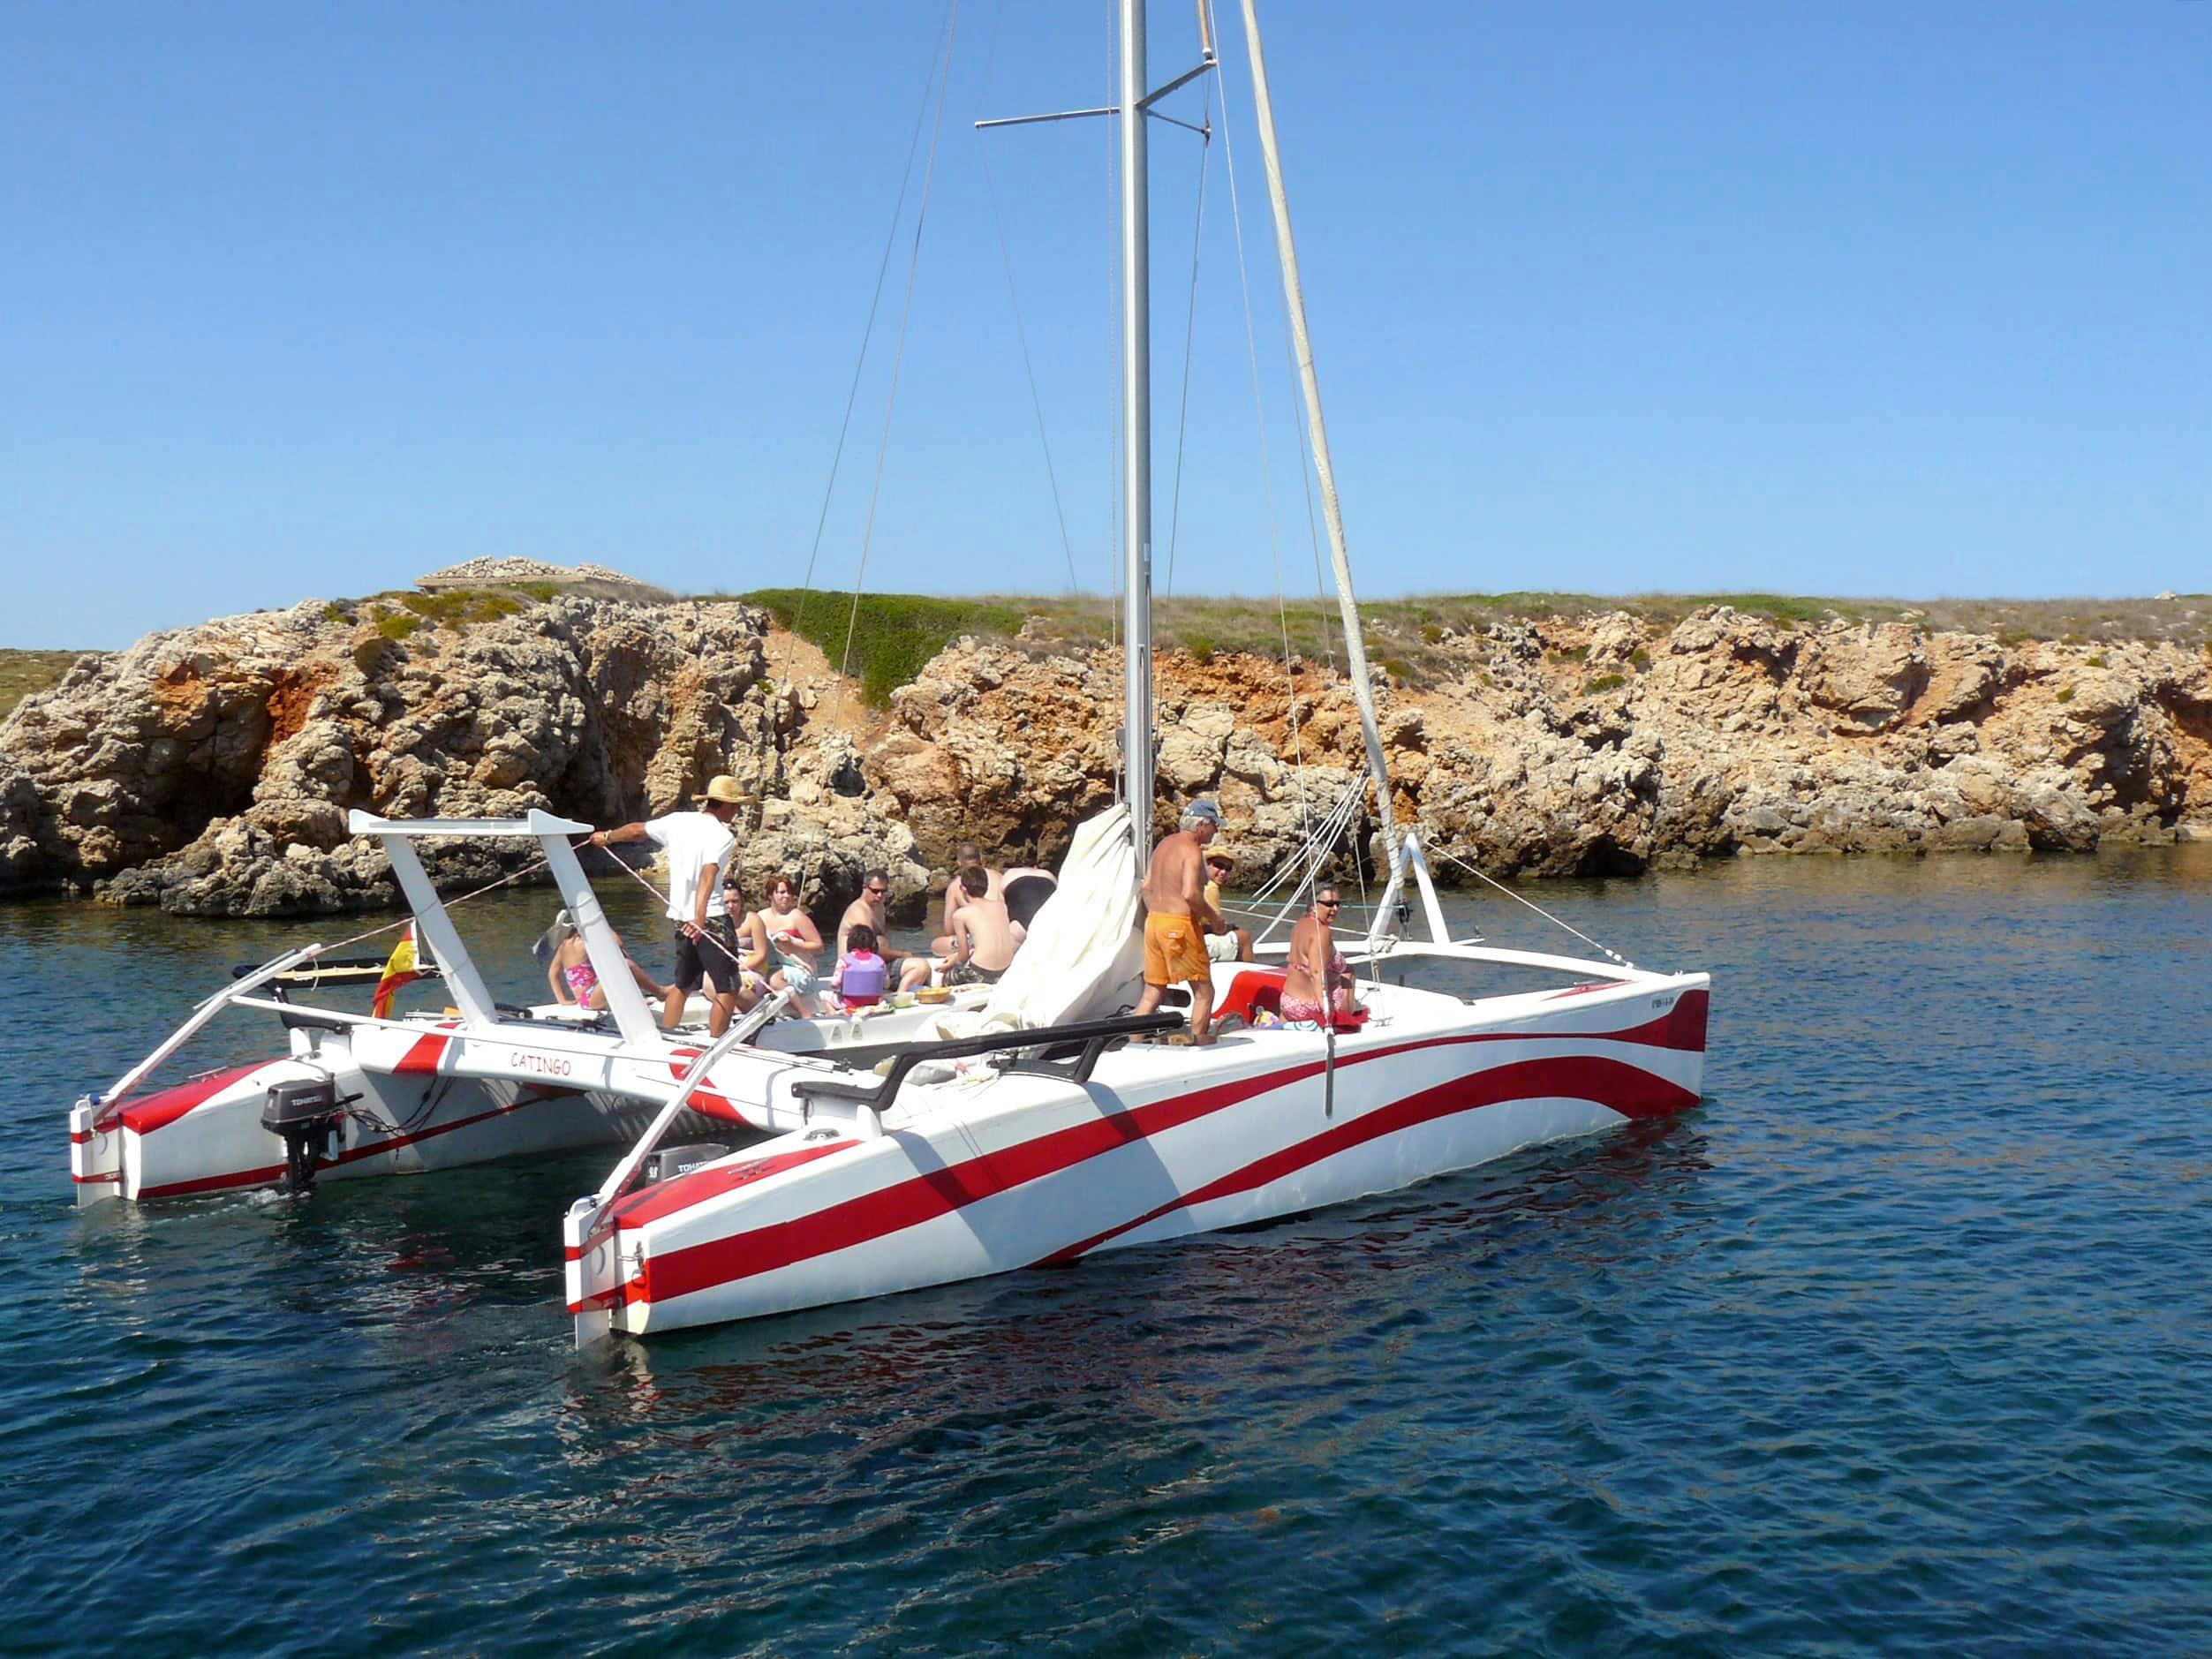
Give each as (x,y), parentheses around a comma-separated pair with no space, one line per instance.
(1261,989)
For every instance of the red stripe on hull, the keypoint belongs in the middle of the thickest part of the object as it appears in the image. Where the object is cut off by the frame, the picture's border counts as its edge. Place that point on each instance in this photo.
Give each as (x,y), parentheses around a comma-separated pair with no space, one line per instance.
(274,1172)
(704,1100)
(159,1111)
(939,1192)
(1632,1092)
(667,1197)
(421,1060)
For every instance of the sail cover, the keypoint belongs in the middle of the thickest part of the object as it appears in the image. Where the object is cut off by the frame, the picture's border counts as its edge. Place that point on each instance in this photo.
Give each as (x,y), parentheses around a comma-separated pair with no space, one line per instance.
(1084,955)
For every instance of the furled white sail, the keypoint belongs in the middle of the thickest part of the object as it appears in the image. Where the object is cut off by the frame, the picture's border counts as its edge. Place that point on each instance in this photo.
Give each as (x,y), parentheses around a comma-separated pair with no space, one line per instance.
(1085,951)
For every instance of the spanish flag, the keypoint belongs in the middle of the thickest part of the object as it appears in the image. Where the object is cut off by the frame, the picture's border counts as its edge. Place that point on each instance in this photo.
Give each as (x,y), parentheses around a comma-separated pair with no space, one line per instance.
(400,970)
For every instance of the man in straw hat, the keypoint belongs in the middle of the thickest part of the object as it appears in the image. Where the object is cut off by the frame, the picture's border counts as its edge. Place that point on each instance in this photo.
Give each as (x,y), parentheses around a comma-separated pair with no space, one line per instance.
(701,845)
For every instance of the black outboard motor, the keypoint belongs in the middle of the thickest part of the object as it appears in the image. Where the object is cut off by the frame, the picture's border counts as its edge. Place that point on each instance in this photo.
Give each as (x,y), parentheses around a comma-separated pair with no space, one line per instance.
(668,1162)
(305,1112)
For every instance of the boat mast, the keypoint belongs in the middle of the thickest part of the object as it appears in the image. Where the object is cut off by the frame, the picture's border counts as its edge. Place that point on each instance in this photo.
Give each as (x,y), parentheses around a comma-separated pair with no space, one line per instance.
(1137,435)
(1295,304)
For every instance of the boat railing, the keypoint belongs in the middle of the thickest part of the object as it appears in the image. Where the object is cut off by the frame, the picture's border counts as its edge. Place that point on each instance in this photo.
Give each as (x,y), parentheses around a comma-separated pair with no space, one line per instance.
(694,1075)
(1087,1038)
(238,993)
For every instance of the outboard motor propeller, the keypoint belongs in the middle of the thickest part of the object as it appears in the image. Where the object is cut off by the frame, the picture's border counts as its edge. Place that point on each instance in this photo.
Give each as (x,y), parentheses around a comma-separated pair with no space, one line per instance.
(305,1112)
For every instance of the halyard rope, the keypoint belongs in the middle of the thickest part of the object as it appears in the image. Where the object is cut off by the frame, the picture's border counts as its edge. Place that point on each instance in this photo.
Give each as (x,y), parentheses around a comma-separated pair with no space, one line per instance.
(1539,909)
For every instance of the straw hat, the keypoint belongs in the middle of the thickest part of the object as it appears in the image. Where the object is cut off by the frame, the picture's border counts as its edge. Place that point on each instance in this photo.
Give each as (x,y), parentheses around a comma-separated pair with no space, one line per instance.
(725,790)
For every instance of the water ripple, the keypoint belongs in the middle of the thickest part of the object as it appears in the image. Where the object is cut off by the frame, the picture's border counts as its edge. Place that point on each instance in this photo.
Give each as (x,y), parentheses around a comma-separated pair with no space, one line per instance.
(1894,1343)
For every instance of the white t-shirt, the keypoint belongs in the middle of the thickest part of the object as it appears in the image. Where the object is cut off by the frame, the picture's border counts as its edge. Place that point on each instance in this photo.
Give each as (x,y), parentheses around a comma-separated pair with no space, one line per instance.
(694,841)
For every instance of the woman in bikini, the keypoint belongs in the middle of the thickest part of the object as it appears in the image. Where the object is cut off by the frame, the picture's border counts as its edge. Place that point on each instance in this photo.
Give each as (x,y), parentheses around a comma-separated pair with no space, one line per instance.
(574,980)
(1317,972)
(795,942)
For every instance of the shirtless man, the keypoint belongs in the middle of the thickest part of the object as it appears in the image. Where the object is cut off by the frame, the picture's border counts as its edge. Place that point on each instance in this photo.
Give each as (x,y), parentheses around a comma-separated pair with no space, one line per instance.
(1177,918)
(868,910)
(981,936)
(966,855)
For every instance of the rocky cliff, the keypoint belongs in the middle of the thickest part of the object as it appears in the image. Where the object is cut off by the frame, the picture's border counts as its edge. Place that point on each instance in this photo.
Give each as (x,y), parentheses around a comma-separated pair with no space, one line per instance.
(210,770)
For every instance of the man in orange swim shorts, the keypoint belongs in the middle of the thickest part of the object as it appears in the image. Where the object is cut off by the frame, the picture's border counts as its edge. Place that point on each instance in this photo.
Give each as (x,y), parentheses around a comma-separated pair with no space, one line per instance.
(1177,918)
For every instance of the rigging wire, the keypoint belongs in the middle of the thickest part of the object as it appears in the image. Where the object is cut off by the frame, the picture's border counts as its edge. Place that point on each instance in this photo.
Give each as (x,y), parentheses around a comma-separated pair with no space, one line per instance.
(939,49)
(1116,461)
(1014,297)
(1268,488)
(898,358)
(1539,910)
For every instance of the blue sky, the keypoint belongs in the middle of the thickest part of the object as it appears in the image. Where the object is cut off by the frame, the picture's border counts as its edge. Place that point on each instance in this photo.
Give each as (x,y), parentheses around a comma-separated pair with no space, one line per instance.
(1857,299)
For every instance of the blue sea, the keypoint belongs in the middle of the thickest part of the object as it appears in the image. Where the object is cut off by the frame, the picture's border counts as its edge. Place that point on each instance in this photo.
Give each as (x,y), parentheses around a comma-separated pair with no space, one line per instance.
(1901,1342)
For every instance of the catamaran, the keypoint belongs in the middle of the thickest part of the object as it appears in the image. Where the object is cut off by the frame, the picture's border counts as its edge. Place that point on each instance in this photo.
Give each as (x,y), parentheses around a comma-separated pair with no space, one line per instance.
(793,1162)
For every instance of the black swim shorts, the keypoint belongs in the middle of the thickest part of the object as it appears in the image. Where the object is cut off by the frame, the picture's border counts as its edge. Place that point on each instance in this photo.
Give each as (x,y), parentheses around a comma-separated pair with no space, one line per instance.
(968,974)
(712,960)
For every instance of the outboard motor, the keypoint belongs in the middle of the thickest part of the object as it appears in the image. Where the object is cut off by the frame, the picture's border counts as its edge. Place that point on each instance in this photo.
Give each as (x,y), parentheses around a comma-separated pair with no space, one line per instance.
(668,1162)
(305,1112)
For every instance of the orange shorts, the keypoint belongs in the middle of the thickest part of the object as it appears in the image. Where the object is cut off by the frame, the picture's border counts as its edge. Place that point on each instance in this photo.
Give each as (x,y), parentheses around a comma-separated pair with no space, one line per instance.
(1175,951)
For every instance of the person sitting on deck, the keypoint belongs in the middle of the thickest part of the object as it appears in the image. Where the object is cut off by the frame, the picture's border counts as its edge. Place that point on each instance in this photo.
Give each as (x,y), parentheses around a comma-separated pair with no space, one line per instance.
(982,944)
(796,942)
(574,981)
(753,944)
(1177,918)
(870,911)
(1228,943)
(861,973)
(1316,974)
(966,857)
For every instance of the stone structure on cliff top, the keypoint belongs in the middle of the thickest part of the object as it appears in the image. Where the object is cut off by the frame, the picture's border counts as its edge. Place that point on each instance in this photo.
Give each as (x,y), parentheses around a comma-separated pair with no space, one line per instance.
(209,769)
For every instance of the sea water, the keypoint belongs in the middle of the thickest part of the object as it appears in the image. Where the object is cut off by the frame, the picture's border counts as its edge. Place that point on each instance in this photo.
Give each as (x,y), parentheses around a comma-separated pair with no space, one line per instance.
(1901,1341)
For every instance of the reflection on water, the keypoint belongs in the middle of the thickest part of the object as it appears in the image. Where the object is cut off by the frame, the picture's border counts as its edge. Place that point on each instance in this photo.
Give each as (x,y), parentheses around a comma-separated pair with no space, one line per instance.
(1894,1342)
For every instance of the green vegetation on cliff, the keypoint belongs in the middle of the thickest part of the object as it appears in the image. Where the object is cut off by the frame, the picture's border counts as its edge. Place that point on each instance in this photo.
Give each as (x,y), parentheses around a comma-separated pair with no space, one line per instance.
(896,633)
(24,672)
(893,634)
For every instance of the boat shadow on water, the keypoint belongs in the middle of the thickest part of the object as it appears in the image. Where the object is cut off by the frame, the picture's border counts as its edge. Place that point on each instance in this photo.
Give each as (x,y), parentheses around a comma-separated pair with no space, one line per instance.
(1243,1302)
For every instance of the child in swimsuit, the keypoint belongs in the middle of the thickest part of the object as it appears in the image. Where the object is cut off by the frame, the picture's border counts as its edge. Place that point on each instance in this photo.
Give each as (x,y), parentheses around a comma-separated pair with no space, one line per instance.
(860,974)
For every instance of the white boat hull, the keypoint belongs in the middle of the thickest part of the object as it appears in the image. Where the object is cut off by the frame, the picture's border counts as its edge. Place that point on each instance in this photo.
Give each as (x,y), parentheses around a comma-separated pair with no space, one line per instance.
(1161,1143)
(425,1096)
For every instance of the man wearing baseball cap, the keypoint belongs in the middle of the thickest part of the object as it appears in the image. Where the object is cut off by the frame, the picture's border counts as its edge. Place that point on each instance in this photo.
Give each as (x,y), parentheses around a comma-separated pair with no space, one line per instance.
(1177,918)
(701,845)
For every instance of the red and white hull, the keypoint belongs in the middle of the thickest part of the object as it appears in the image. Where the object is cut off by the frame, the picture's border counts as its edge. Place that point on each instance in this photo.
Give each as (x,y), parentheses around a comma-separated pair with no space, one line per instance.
(969,1179)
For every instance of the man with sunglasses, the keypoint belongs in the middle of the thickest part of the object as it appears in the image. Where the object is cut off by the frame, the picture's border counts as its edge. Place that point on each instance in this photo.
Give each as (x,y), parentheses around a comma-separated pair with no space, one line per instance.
(1316,975)
(869,911)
